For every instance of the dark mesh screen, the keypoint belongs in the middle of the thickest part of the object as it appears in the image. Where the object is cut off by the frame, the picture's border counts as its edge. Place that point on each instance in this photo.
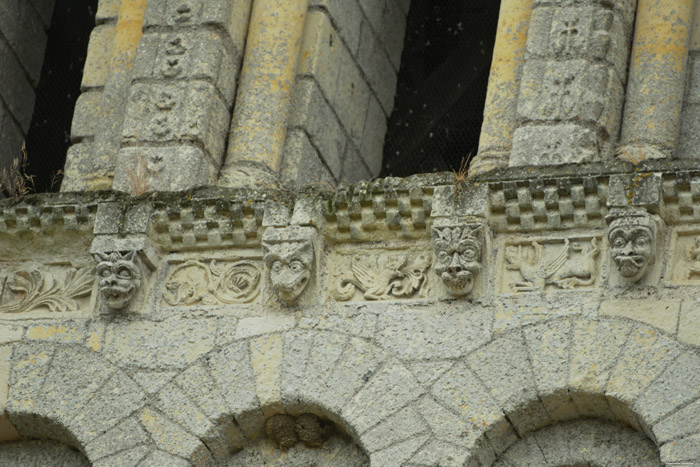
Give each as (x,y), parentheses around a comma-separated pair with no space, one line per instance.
(48,137)
(442,85)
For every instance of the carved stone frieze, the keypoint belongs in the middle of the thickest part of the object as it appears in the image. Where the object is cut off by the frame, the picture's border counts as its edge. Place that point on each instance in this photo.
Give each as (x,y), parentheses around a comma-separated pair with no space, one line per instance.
(119,275)
(289,258)
(57,289)
(632,235)
(551,263)
(212,282)
(458,252)
(383,276)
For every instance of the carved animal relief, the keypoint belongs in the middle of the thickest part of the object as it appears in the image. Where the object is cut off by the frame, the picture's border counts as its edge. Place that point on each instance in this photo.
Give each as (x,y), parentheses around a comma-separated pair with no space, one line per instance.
(119,276)
(30,290)
(541,265)
(211,283)
(384,277)
(289,261)
(458,256)
(632,237)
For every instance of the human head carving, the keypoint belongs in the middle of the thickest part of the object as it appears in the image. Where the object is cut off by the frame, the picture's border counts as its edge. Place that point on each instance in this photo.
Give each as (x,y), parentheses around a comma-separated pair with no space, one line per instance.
(119,276)
(458,256)
(289,261)
(632,235)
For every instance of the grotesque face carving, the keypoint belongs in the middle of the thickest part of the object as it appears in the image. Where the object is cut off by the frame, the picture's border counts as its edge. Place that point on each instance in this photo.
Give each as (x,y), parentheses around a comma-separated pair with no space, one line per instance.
(119,277)
(633,244)
(458,256)
(289,264)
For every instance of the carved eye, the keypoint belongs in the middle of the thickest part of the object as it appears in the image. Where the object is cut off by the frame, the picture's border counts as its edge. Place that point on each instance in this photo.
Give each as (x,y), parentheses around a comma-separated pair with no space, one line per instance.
(296,266)
(105,272)
(124,273)
(277,266)
(641,241)
(443,256)
(619,242)
(469,254)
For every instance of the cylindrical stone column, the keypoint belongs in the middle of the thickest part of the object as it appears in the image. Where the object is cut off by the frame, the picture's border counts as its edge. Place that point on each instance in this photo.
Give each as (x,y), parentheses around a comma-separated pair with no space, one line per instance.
(656,80)
(500,114)
(259,124)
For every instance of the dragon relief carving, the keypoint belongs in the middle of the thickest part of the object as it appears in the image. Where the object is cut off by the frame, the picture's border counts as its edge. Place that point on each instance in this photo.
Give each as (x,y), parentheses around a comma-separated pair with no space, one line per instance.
(288,255)
(573,266)
(29,290)
(210,283)
(119,276)
(385,277)
(458,256)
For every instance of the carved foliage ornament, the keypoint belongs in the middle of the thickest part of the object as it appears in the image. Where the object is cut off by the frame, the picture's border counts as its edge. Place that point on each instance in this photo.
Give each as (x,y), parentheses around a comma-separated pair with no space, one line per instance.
(632,236)
(31,290)
(384,278)
(458,256)
(119,274)
(197,282)
(289,261)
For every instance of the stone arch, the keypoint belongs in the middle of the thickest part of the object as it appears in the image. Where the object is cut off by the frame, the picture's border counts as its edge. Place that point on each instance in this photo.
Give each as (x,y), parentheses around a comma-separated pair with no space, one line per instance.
(568,369)
(223,399)
(69,394)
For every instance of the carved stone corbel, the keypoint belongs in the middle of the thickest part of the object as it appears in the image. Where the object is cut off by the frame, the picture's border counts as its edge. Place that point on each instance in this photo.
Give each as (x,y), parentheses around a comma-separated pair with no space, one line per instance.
(633,235)
(289,258)
(121,264)
(458,252)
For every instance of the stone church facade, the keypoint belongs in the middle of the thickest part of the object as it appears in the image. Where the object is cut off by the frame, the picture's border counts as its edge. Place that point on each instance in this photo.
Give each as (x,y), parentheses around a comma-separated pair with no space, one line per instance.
(221,280)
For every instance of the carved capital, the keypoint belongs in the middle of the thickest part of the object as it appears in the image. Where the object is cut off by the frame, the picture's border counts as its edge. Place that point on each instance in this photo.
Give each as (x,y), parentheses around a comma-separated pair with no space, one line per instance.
(633,235)
(289,259)
(458,251)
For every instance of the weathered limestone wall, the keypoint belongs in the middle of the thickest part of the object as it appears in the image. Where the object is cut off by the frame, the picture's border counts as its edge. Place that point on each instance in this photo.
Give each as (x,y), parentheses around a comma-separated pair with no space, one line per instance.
(344,90)
(419,320)
(23,26)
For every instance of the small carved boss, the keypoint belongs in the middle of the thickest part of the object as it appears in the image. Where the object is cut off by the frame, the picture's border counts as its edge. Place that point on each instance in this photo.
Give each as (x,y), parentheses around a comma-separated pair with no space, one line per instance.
(119,277)
(289,256)
(458,256)
(632,237)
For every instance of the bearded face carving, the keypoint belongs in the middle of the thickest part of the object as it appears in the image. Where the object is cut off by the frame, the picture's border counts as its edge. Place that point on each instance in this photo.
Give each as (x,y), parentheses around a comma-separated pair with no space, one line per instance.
(289,262)
(119,277)
(632,240)
(458,256)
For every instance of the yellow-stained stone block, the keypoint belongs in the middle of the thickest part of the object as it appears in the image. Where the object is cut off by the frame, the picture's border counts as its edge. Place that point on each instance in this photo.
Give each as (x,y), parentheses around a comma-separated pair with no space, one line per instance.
(259,124)
(95,337)
(689,326)
(99,54)
(63,333)
(662,314)
(9,333)
(500,116)
(656,77)
(266,358)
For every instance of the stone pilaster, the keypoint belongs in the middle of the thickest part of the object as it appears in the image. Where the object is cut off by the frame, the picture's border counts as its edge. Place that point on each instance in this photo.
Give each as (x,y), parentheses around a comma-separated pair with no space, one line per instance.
(573,82)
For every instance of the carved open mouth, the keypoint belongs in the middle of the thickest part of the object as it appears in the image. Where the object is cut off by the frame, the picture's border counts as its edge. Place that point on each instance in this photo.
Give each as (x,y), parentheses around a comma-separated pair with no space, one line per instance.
(462,282)
(630,264)
(291,290)
(116,293)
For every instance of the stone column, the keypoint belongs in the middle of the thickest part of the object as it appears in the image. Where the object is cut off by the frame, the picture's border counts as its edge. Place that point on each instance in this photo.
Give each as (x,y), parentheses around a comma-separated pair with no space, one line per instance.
(572,89)
(99,112)
(259,124)
(500,111)
(179,105)
(656,80)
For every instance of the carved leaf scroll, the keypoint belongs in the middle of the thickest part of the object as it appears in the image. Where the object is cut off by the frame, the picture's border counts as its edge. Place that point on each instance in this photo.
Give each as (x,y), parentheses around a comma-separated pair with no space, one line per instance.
(36,289)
